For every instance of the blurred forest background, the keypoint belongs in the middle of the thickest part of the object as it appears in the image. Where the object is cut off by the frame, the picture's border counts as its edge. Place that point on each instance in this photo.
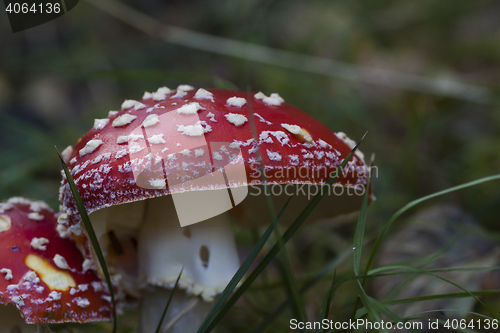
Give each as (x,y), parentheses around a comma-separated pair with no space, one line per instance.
(421,76)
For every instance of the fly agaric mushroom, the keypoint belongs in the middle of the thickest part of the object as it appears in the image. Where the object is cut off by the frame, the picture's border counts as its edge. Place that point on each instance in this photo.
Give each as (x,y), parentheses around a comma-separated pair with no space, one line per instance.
(150,172)
(43,275)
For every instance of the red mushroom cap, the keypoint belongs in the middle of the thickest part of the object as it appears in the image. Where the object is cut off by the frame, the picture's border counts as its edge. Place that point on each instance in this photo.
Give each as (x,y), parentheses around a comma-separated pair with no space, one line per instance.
(158,145)
(42,274)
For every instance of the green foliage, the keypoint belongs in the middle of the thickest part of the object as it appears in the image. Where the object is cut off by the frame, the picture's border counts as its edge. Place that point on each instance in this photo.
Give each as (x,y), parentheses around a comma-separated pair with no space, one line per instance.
(92,236)
(168,302)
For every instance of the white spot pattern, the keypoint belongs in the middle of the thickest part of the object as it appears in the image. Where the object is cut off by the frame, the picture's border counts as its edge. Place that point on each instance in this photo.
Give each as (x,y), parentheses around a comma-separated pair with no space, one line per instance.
(123,120)
(130,137)
(157,139)
(236,101)
(157,183)
(191,108)
(180,93)
(151,120)
(90,146)
(128,103)
(39,243)
(275,99)
(217,156)
(191,130)
(185,87)
(273,156)
(199,152)
(211,116)
(236,119)
(7,272)
(204,94)
(82,302)
(35,216)
(60,262)
(66,154)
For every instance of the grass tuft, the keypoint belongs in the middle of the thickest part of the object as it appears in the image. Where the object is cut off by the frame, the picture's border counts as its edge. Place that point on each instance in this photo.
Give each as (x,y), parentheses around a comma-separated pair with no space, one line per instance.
(92,236)
(158,328)
(219,311)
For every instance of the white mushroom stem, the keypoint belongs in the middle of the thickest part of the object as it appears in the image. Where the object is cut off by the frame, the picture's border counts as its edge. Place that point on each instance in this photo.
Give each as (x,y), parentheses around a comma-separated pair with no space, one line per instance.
(12,321)
(206,252)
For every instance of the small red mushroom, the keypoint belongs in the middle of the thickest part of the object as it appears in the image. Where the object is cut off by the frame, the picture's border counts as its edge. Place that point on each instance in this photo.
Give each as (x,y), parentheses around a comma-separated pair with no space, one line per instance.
(193,155)
(43,275)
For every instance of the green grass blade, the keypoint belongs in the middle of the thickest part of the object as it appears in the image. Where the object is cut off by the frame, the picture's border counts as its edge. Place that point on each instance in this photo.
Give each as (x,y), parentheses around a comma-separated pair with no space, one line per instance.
(275,249)
(374,308)
(410,205)
(389,223)
(311,282)
(424,263)
(323,272)
(409,269)
(168,303)
(285,267)
(465,293)
(400,269)
(360,228)
(290,282)
(359,237)
(371,305)
(91,234)
(242,270)
(376,272)
(441,296)
(415,315)
(260,244)
(452,283)
(326,307)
